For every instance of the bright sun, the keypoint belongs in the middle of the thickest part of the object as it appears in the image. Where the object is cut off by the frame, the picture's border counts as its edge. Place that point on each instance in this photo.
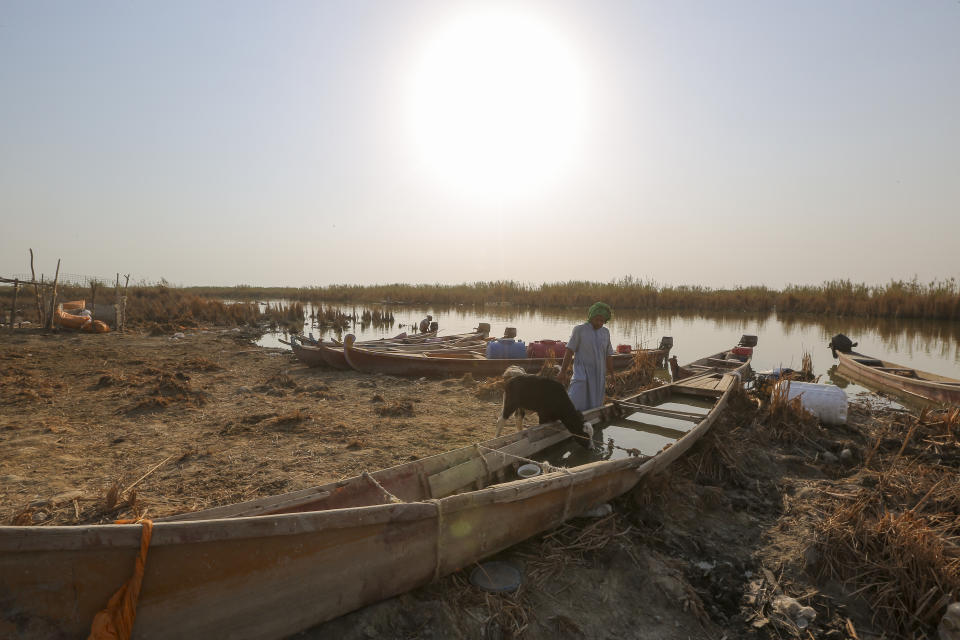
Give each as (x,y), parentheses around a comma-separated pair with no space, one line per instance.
(496,105)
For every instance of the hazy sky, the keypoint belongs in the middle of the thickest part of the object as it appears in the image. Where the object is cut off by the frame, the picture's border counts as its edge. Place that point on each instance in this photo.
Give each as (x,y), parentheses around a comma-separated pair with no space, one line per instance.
(296,143)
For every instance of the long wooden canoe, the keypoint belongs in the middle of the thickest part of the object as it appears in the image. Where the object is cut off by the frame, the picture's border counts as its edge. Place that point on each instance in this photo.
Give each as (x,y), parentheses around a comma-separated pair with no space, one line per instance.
(274,566)
(324,353)
(723,362)
(438,364)
(915,384)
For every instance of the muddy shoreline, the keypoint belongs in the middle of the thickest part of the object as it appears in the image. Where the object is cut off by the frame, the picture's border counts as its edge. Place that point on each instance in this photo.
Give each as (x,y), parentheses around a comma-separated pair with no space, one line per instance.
(99,427)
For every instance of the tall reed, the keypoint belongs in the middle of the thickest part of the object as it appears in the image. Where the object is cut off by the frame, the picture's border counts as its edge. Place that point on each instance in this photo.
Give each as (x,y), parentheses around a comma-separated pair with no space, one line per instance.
(935,300)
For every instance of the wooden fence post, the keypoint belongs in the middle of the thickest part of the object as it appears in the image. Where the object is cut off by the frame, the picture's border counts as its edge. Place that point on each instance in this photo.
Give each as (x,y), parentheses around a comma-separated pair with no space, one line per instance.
(36,290)
(53,297)
(13,308)
(93,302)
(123,303)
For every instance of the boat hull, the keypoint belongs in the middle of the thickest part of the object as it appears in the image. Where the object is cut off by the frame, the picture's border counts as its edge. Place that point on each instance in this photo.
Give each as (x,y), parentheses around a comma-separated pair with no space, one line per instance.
(439,365)
(331,355)
(927,389)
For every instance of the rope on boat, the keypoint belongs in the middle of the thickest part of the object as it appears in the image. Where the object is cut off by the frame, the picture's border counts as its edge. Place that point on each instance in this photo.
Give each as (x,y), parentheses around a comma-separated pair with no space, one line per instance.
(483,461)
(546,467)
(372,480)
(115,621)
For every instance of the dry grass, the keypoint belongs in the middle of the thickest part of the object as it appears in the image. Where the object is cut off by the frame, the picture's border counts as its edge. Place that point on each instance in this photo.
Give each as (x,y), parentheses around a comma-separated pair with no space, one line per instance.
(200,364)
(169,389)
(638,376)
(23,385)
(570,544)
(500,615)
(398,409)
(787,420)
(894,540)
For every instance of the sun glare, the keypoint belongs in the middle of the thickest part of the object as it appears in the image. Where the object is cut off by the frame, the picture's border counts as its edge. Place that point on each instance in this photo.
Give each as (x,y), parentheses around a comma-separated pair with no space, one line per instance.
(496,105)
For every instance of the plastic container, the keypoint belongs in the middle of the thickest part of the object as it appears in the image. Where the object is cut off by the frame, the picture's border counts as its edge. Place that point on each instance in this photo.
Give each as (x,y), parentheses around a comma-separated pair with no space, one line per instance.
(624,348)
(506,348)
(529,470)
(827,402)
(546,349)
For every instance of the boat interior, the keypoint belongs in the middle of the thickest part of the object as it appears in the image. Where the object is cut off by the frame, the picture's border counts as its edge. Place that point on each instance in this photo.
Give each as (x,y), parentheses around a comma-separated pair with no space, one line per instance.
(897,370)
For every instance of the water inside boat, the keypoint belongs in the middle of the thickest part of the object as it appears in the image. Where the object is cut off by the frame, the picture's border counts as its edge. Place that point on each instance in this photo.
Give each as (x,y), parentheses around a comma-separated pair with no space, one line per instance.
(645,432)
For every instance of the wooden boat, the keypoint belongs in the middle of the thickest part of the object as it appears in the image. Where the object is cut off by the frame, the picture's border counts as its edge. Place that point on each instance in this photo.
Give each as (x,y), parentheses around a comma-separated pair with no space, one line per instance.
(915,384)
(456,363)
(723,361)
(80,322)
(322,353)
(277,565)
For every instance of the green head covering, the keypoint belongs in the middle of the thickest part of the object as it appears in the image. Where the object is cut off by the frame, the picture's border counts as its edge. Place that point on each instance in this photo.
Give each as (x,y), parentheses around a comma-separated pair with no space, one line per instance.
(600,309)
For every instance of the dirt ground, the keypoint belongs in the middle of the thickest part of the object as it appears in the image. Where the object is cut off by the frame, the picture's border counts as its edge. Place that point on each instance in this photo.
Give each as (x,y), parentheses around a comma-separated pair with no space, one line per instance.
(99,427)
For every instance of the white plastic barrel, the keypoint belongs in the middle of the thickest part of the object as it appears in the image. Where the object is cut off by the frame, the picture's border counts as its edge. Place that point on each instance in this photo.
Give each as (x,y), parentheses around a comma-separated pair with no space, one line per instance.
(827,402)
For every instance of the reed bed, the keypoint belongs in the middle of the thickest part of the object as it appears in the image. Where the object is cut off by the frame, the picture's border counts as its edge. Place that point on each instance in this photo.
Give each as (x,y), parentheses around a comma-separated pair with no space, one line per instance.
(936,300)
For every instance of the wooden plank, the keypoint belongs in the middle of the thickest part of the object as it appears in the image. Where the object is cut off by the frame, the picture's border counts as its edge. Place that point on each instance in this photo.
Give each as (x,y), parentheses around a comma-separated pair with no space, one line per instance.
(696,391)
(667,413)
(732,364)
(660,430)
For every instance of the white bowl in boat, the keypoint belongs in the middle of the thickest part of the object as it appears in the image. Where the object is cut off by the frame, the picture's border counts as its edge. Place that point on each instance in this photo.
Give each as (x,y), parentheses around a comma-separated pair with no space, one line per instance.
(528,470)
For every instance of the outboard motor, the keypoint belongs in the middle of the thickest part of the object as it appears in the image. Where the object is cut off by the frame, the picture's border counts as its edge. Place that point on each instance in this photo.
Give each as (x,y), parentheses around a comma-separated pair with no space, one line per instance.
(434,325)
(483,327)
(666,343)
(748,340)
(841,343)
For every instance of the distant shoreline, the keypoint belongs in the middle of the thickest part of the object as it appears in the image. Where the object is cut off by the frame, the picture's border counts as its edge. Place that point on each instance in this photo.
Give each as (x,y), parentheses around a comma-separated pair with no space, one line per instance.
(937,300)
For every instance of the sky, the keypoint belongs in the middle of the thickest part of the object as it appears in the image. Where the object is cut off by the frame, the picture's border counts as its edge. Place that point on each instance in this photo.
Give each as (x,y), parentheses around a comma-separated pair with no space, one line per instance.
(310,143)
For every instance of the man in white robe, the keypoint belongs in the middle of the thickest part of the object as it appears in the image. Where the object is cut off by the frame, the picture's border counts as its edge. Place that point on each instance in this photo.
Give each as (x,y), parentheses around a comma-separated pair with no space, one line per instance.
(590,342)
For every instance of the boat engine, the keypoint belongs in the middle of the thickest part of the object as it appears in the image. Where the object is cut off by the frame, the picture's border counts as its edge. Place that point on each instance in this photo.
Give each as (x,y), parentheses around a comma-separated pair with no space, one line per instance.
(841,343)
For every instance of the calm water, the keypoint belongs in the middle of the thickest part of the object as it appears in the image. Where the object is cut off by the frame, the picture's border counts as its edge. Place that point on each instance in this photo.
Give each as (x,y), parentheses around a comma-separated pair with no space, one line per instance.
(929,346)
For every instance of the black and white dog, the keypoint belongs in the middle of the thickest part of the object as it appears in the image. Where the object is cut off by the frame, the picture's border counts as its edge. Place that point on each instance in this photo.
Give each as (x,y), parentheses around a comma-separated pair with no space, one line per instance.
(548,398)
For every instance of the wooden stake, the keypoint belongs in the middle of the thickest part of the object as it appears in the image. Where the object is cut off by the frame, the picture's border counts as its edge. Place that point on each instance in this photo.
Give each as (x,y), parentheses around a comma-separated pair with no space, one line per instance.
(123,302)
(93,302)
(53,297)
(13,308)
(116,304)
(36,291)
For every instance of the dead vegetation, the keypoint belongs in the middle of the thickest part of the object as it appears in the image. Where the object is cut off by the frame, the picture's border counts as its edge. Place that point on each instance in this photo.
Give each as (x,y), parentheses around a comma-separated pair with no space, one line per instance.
(397,409)
(24,385)
(638,376)
(168,389)
(891,536)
